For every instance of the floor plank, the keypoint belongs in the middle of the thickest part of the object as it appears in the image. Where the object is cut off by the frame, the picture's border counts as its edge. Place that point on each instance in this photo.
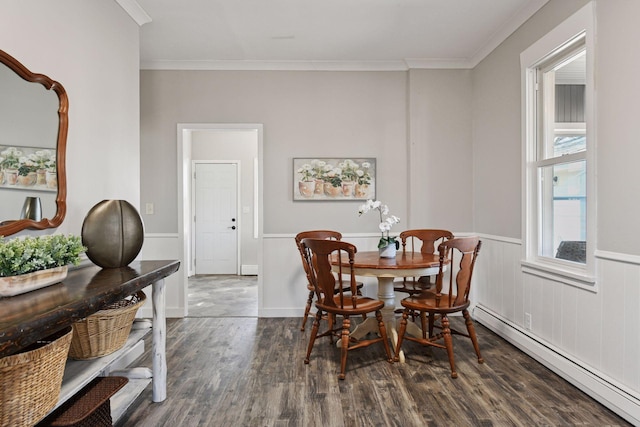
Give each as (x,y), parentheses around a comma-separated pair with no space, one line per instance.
(226,371)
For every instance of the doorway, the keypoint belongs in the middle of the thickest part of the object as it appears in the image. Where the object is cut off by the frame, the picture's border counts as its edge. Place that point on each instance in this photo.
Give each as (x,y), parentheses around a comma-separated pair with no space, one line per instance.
(221,143)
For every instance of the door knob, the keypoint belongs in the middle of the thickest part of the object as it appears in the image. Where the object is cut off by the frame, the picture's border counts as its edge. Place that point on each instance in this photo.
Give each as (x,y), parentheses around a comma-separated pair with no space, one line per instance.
(233,227)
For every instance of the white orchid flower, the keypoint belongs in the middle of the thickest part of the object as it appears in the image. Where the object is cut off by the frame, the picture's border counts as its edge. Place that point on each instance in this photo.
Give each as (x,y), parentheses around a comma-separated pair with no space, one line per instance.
(386,221)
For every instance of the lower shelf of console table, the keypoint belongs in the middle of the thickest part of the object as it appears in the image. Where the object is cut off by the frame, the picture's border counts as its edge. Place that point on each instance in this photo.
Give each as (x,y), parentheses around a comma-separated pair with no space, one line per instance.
(79,373)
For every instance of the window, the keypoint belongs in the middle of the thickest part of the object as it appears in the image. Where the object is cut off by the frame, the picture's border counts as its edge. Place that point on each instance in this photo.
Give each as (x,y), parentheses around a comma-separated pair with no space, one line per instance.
(558,162)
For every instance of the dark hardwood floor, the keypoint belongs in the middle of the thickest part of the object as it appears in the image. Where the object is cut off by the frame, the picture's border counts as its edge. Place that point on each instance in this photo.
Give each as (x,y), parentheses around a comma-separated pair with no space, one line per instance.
(250,372)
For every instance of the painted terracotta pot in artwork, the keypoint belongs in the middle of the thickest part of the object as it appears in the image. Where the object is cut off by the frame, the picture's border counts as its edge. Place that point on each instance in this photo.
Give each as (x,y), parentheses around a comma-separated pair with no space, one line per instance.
(348,188)
(331,191)
(361,191)
(52,179)
(306,188)
(11,176)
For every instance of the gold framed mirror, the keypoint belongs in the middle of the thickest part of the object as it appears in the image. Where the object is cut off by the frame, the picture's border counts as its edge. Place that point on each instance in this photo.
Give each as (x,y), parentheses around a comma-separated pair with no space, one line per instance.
(33,141)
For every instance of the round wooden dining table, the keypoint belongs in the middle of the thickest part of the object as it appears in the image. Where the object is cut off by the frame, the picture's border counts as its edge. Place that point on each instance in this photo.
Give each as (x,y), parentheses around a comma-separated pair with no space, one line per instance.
(405,264)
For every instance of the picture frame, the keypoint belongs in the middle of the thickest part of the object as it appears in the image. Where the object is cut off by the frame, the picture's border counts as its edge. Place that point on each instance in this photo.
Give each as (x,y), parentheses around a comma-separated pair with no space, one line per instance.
(28,168)
(334,178)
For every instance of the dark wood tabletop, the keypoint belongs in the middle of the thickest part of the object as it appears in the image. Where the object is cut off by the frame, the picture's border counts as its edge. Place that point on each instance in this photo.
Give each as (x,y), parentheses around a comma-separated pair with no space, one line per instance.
(31,316)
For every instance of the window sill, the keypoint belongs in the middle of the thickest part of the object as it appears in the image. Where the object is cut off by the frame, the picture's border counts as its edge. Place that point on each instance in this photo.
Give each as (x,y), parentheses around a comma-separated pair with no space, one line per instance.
(577,278)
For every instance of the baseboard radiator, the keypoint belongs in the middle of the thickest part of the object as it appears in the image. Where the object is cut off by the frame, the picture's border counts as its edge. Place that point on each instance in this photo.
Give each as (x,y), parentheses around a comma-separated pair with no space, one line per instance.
(610,393)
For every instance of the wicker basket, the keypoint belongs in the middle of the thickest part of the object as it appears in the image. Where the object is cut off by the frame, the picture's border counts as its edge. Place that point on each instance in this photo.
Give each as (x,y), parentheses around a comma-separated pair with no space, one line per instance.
(88,408)
(105,331)
(30,380)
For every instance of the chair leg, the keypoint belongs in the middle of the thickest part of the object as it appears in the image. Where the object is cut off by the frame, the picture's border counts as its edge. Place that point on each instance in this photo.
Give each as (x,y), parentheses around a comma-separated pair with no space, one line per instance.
(314,333)
(448,341)
(471,330)
(346,325)
(423,324)
(401,331)
(383,334)
(306,310)
(432,320)
(331,320)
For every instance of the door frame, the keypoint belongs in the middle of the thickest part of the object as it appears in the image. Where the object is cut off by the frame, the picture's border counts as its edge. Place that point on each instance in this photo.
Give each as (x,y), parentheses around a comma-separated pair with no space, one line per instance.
(184,172)
(238,209)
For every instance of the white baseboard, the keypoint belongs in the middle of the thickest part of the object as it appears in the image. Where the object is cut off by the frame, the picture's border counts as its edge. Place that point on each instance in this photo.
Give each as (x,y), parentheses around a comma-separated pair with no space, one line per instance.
(170,312)
(615,396)
(249,270)
(281,312)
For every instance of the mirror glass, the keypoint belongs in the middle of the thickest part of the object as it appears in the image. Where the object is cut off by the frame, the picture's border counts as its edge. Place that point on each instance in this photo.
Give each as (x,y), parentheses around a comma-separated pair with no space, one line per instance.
(33,129)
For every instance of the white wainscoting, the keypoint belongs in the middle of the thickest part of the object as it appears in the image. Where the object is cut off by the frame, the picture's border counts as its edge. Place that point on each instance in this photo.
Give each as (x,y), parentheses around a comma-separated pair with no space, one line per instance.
(283,283)
(165,246)
(592,339)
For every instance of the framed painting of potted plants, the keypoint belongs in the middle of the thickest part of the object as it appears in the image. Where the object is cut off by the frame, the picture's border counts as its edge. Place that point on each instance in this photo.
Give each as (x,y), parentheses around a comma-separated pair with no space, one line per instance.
(334,178)
(28,168)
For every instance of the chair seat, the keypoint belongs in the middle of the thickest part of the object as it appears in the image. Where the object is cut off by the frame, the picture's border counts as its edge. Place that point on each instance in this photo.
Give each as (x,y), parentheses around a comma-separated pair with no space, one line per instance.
(363,305)
(426,301)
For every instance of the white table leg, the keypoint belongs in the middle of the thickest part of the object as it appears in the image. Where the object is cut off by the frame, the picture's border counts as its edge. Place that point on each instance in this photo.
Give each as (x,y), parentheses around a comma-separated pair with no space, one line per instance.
(386,294)
(159,361)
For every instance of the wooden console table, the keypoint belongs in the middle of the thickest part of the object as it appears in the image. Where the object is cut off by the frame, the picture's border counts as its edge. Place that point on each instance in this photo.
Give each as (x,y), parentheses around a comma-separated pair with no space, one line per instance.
(26,318)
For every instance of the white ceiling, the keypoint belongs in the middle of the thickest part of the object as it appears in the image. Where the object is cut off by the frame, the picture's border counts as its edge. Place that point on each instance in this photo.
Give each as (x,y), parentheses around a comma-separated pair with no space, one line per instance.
(323,34)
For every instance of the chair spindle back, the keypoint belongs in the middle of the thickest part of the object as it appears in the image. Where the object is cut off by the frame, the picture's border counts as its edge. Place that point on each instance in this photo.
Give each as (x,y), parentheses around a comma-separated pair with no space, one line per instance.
(318,253)
(465,250)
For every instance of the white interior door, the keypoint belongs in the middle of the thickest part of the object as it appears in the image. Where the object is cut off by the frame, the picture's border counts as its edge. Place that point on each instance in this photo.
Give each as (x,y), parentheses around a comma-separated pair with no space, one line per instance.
(216,220)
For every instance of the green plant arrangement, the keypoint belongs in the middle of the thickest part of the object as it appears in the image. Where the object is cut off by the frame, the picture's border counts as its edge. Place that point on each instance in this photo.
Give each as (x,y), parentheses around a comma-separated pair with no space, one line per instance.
(29,254)
(386,221)
(10,158)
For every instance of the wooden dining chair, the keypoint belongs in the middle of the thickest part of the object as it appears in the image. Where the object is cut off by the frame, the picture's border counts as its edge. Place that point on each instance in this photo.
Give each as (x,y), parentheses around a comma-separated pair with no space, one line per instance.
(315,234)
(438,304)
(425,241)
(346,304)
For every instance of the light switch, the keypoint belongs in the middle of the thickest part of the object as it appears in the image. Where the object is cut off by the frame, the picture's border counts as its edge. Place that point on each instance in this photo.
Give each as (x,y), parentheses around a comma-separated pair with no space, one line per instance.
(149,208)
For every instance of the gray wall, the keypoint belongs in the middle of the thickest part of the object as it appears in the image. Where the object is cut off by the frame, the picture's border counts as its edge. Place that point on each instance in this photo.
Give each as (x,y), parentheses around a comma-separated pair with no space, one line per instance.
(439,160)
(618,86)
(305,114)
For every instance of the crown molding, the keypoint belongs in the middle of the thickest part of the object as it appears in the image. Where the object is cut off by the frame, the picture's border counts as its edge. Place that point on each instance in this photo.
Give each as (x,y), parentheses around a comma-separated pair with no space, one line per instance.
(250,65)
(438,63)
(135,11)
(527,11)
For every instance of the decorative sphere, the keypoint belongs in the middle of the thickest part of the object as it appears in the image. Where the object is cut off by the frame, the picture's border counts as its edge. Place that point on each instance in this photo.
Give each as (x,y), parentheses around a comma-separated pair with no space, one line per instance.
(113,233)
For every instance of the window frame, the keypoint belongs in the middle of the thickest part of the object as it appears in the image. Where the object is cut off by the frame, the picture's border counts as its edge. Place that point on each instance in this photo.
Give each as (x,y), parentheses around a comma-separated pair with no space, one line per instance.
(564,40)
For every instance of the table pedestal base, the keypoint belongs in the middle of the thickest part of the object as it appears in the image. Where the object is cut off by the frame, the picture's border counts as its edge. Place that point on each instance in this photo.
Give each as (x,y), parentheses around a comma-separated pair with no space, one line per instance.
(370,325)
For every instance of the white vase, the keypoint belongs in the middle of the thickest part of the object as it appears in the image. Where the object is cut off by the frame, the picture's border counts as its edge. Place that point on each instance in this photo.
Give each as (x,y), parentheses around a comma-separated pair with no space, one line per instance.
(388,251)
